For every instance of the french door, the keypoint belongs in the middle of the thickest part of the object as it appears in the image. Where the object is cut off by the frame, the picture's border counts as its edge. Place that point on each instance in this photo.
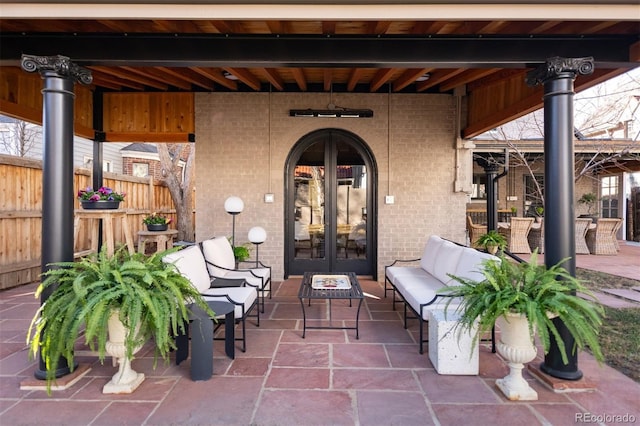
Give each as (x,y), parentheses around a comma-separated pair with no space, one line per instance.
(330,213)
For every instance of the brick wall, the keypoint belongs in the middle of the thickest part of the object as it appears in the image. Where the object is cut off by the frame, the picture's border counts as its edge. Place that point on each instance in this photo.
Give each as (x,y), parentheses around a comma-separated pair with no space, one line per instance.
(239,151)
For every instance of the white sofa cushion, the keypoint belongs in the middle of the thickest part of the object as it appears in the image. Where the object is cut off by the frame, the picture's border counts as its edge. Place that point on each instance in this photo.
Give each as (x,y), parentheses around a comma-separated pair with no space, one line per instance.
(428,259)
(446,260)
(417,292)
(246,296)
(259,281)
(190,263)
(471,264)
(396,273)
(218,251)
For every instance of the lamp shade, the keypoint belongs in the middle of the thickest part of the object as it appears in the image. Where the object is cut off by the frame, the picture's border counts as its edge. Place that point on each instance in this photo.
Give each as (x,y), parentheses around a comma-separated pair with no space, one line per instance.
(233,205)
(257,235)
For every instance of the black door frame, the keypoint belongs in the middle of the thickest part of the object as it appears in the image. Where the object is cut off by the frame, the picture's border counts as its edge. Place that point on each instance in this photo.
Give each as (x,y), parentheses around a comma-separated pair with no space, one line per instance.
(371,258)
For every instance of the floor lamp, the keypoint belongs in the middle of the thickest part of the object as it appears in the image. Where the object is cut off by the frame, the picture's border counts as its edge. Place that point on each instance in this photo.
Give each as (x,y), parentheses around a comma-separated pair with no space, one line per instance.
(234,206)
(257,235)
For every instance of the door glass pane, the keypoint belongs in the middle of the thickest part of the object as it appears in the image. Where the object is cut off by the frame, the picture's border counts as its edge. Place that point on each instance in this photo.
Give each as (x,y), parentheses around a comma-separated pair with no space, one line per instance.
(309,204)
(351,204)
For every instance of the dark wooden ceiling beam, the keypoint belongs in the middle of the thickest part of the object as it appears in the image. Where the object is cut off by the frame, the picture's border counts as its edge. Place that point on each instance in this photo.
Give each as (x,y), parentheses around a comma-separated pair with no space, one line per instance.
(271,74)
(117,81)
(354,78)
(438,77)
(408,77)
(379,27)
(128,75)
(466,77)
(276,27)
(189,75)
(245,76)
(217,76)
(162,76)
(327,79)
(301,80)
(382,77)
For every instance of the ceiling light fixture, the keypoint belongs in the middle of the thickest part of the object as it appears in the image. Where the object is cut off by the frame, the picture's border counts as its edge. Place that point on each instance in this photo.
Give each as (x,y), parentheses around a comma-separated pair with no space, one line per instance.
(332,113)
(229,76)
(424,77)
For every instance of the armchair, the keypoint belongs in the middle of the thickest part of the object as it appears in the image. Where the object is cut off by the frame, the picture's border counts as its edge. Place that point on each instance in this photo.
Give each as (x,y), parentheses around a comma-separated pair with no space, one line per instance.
(517,234)
(190,262)
(475,231)
(602,238)
(221,265)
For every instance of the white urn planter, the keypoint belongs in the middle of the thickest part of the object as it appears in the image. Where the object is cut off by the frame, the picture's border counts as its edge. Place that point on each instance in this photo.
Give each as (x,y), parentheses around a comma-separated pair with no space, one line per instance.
(516,347)
(126,380)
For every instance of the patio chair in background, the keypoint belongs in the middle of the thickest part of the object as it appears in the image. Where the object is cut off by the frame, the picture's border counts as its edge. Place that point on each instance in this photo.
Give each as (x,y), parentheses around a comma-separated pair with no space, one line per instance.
(602,238)
(615,234)
(190,262)
(517,234)
(221,264)
(475,231)
(536,237)
(582,225)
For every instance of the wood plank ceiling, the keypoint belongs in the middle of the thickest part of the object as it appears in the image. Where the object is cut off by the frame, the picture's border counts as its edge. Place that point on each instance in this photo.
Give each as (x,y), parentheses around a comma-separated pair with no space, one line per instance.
(364,65)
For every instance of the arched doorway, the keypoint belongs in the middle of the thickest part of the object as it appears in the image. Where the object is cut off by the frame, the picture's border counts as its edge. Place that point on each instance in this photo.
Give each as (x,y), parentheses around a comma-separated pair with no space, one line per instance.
(330,216)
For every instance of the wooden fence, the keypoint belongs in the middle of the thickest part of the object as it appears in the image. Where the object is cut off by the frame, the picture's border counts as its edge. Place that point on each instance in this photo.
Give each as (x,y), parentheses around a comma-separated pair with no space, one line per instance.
(21,214)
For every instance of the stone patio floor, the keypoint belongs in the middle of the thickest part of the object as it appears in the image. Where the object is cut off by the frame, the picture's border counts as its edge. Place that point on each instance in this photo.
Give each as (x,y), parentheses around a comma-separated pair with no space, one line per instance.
(328,378)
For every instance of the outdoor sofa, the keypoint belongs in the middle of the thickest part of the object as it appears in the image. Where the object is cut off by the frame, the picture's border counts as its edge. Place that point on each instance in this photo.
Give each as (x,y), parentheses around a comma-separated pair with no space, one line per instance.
(417,281)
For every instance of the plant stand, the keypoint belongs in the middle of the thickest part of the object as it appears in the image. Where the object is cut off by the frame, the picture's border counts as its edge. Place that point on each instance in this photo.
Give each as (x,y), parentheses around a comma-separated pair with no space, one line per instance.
(126,380)
(516,348)
(449,351)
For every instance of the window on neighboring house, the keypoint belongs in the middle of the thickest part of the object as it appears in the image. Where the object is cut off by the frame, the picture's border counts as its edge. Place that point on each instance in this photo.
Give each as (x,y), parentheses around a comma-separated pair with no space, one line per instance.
(533,193)
(106,165)
(609,199)
(479,188)
(140,169)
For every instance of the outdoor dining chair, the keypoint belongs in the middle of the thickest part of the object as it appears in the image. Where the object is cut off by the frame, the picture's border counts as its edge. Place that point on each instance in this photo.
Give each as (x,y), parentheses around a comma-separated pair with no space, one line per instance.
(517,234)
(536,237)
(582,226)
(602,238)
(221,264)
(475,231)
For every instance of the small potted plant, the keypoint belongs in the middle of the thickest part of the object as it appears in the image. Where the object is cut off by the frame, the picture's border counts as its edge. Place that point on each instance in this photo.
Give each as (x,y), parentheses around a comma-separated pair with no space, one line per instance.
(522,299)
(242,252)
(101,297)
(514,211)
(156,222)
(103,198)
(539,212)
(589,199)
(492,241)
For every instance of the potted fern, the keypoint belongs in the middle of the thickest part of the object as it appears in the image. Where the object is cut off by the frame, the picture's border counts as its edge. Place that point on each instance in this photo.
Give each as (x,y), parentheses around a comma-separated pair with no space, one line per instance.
(522,299)
(492,241)
(147,296)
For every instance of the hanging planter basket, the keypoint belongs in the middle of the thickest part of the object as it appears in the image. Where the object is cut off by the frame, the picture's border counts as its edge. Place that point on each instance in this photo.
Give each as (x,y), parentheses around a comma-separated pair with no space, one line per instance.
(100,205)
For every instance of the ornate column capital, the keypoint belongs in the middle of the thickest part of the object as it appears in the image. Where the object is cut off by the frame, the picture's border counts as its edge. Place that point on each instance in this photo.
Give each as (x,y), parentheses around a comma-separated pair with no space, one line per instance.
(557,65)
(61,65)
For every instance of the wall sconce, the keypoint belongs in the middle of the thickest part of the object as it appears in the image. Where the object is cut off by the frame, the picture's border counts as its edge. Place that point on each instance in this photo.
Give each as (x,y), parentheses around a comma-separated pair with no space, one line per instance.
(257,235)
(234,206)
(331,113)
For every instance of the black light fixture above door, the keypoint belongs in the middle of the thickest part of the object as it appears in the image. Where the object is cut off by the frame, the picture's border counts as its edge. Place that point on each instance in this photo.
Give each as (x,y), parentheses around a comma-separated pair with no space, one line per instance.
(332,113)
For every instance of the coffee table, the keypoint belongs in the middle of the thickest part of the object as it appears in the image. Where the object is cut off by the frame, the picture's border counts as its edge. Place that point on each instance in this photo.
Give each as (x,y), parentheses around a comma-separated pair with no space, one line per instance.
(335,289)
